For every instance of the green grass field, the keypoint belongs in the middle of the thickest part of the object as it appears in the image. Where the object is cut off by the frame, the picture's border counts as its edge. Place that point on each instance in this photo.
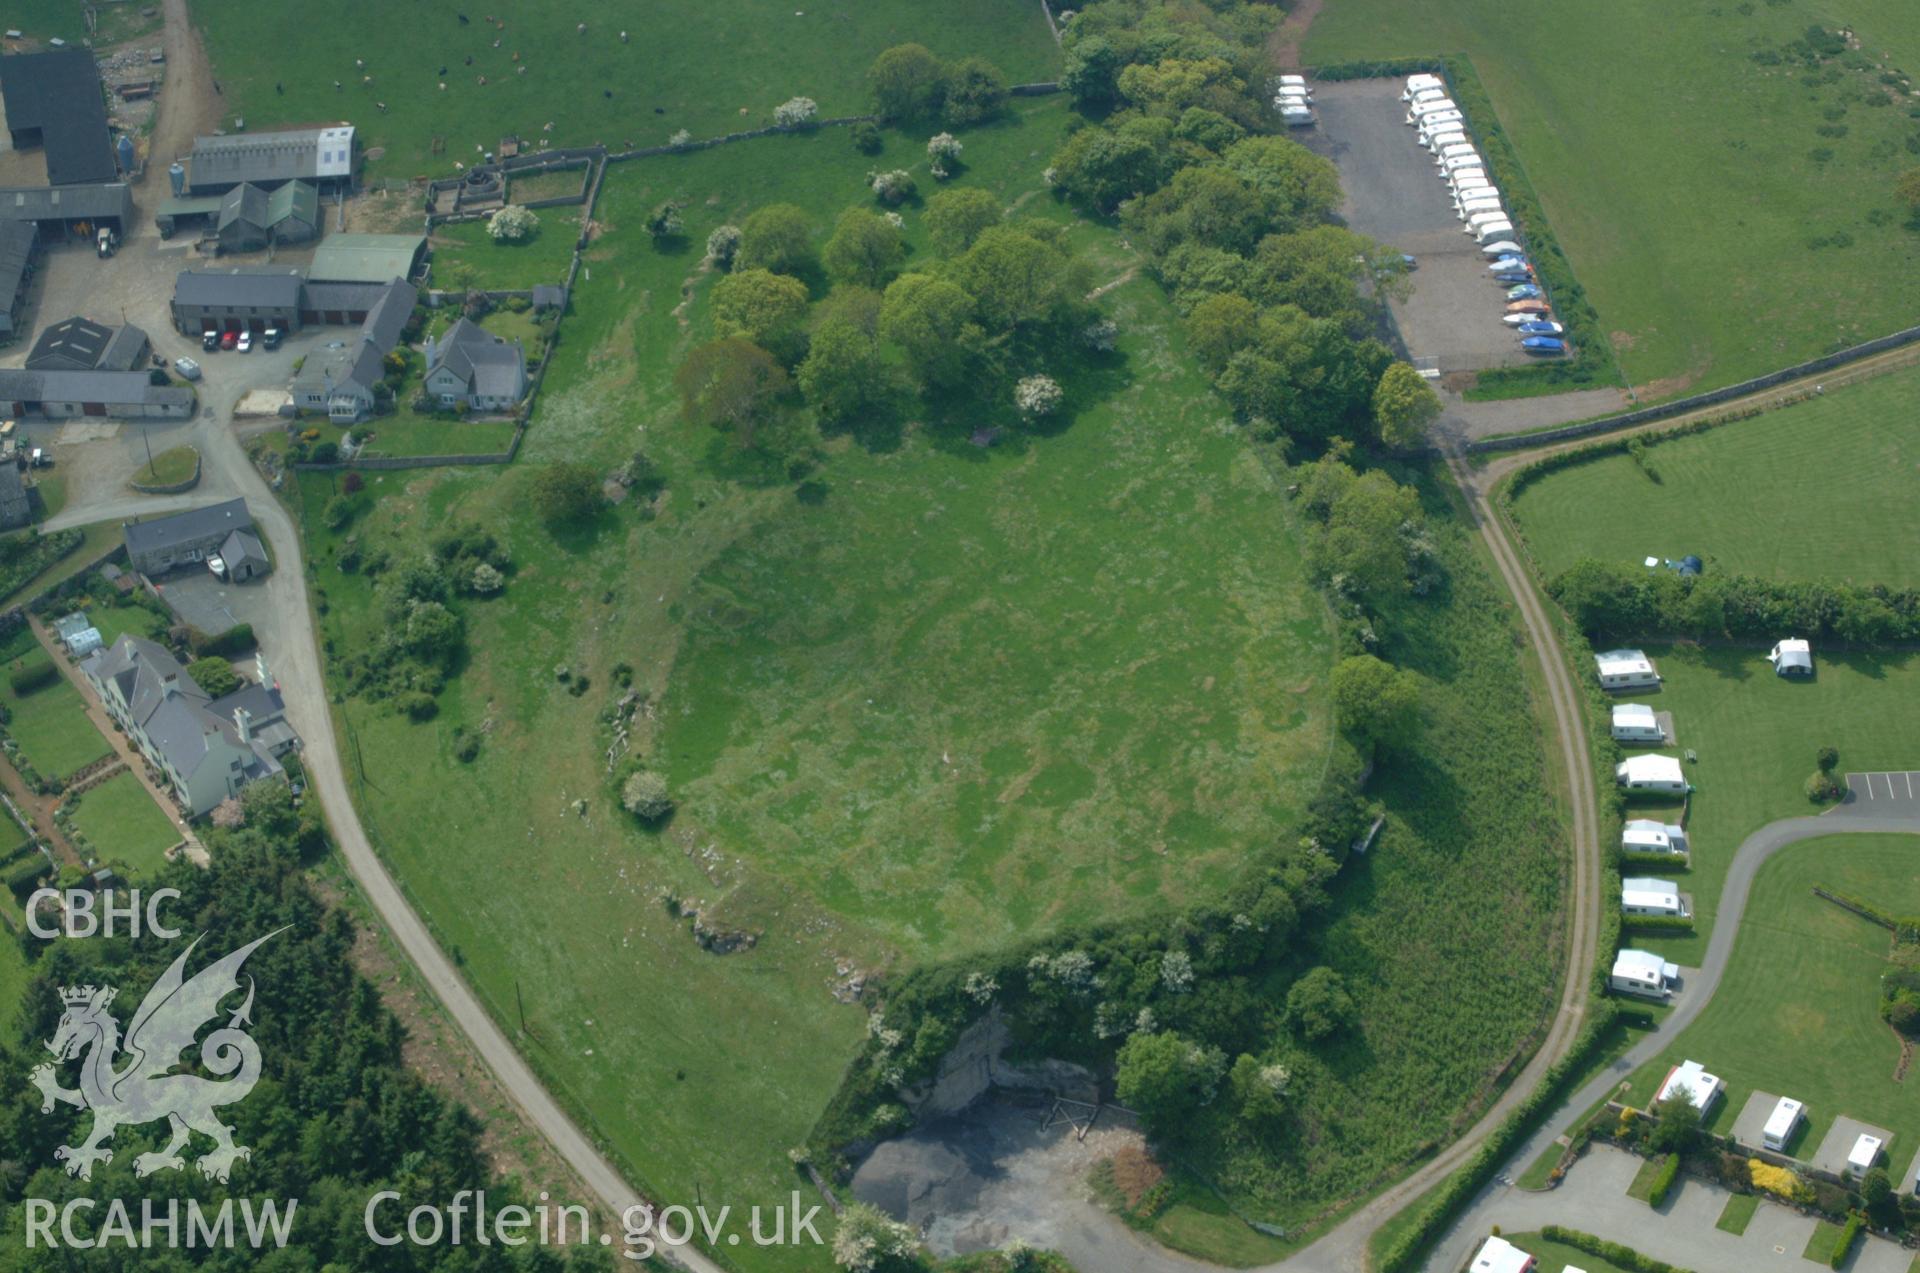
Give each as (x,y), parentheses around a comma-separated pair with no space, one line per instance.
(1797,1012)
(1756,736)
(1738,1213)
(464,256)
(951,698)
(169,467)
(50,724)
(1680,175)
(710,70)
(125,826)
(115,621)
(1741,497)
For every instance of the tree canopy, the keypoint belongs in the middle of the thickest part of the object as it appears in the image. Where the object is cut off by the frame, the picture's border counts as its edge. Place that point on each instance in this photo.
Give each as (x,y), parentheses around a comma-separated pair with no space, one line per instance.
(777,237)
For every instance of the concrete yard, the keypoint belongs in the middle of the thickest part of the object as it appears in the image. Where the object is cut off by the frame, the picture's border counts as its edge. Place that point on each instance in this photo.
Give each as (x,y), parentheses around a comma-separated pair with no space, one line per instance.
(1753,1118)
(1838,1142)
(1394,194)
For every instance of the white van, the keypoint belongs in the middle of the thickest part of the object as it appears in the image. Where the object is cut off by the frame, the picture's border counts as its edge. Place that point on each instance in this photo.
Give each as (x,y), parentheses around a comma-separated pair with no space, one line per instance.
(1296,116)
(1495,232)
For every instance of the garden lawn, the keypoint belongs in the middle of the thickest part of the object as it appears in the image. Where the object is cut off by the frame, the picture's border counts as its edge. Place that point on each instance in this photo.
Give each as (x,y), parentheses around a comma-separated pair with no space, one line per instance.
(1798,1010)
(407,432)
(125,826)
(50,724)
(115,621)
(1821,490)
(1556,1256)
(464,255)
(1756,736)
(709,69)
(1681,176)
(1738,1213)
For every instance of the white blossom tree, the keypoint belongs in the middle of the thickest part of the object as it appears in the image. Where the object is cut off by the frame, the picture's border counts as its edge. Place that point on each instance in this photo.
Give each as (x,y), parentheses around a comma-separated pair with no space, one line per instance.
(796,112)
(512,224)
(943,153)
(1037,396)
(1176,972)
(680,140)
(893,187)
(865,1237)
(722,244)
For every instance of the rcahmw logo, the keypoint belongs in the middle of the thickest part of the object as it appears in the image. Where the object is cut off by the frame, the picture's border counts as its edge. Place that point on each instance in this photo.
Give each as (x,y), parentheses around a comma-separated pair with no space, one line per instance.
(130,1082)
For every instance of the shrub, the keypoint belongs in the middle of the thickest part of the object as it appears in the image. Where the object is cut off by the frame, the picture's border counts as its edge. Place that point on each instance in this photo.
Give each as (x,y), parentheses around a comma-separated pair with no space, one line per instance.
(338,511)
(1826,759)
(796,112)
(466,745)
(1612,1252)
(866,137)
(351,484)
(36,676)
(1663,1180)
(1822,787)
(943,154)
(214,675)
(681,139)
(722,244)
(645,795)
(892,188)
(1037,396)
(1843,1245)
(513,224)
(237,639)
(567,493)
(325,453)
(1782,1182)
(416,705)
(664,222)
(23,879)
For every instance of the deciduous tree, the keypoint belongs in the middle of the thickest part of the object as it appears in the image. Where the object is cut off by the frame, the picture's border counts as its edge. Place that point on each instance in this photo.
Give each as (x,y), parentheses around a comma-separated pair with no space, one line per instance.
(908,83)
(767,308)
(932,321)
(1376,703)
(844,375)
(1404,404)
(777,237)
(731,384)
(865,248)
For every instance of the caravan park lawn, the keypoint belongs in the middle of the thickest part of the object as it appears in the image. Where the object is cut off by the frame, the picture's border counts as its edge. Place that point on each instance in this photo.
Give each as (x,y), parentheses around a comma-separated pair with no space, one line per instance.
(1556,1256)
(710,69)
(1797,1012)
(1718,232)
(940,699)
(50,724)
(1824,489)
(1756,736)
(125,826)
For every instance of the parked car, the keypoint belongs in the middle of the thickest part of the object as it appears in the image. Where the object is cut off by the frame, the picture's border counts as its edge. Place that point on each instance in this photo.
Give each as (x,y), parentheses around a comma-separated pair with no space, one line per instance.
(1542,327)
(1511,277)
(271,338)
(1517,320)
(1504,247)
(1406,259)
(187,367)
(210,341)
(1511,261)
(245,343)
(1525,292)
(1544,345)
(1526,307)
(229,339)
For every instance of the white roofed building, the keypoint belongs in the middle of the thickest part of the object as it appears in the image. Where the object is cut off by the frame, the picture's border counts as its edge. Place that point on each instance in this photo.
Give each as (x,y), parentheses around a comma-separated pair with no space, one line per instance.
(1781,1124)
(1497,1255)
(1625,669)
(1652,772)
(1690,1079)
(1865,1152)
(1792,657)
(1646,835)
(1641,972)
(1644,895)
(1637,723)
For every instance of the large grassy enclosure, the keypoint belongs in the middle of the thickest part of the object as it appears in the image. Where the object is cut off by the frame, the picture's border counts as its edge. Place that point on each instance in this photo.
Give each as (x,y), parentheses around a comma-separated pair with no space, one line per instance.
(1756,735)
(687,65)
(49,724)
(1750,497)
(1727,205)
(1797,1013)
(121,821)
(940,698)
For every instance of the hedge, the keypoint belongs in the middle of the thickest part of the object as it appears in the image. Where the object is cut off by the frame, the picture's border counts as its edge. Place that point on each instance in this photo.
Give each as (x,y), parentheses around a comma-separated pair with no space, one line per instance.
(28,679)
(1612,1252)
(26,877)
(1615,600)
(1663,1180)
(1658,923)
(1458,1189)
(1843,1244)
(1672,863)
(1906,927)
(237,639)
(1592,362)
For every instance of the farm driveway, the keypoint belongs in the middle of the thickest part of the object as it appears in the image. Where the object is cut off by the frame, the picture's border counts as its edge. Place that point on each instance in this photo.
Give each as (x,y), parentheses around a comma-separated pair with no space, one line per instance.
(1394,194)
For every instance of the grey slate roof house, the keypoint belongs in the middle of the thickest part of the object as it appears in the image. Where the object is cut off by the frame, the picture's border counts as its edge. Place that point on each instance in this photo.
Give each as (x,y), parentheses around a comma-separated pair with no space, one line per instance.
(80,344)
(54,100)
(183,539)
(340,382)
(241,557)
(472,368)
(208,748)
(19,249)
(322,156)
(124,395)
(60,211)
(250,218)
(241,298)
(15,509)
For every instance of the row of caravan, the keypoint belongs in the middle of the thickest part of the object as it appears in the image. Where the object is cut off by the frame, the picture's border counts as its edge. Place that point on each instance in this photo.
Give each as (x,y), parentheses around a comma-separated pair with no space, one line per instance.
(1443,131)
(1292,99)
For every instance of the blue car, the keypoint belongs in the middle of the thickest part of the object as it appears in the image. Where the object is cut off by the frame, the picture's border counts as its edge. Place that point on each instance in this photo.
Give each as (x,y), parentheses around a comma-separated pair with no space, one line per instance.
(1513,276)
(1509,262)
(1544,345)
(1525,292)
(1541,327)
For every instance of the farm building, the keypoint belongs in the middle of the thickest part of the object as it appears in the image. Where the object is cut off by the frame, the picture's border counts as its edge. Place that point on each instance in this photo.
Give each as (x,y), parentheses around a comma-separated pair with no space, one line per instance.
(80,344)
(1497,1255)
(208,748)
(123,395)
(474,369)
(1641,972)
(242,298)
(251,218)
(16,510)
(240,558)
(183,539)
(1792,657)
(54,100)
(60,211)
(1691,1080)
(1651,773)
(1787,1116)
(321,156)
(19,250)
(340,382)
(1865,1152)
(1625,669)
(1637,723)
(340,304)
(1644,895)
(1647,835)
(367,258)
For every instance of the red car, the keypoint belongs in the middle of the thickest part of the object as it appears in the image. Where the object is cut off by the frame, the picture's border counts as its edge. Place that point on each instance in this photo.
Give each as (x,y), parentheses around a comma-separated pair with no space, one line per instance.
(229,339)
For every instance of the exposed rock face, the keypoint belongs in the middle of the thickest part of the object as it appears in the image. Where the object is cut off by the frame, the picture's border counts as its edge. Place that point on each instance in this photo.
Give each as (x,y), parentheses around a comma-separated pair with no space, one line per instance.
(976,1064)
(722,941)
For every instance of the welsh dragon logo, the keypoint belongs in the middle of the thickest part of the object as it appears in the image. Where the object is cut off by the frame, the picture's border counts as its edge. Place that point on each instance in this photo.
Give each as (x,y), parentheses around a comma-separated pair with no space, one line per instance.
(145,1088)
